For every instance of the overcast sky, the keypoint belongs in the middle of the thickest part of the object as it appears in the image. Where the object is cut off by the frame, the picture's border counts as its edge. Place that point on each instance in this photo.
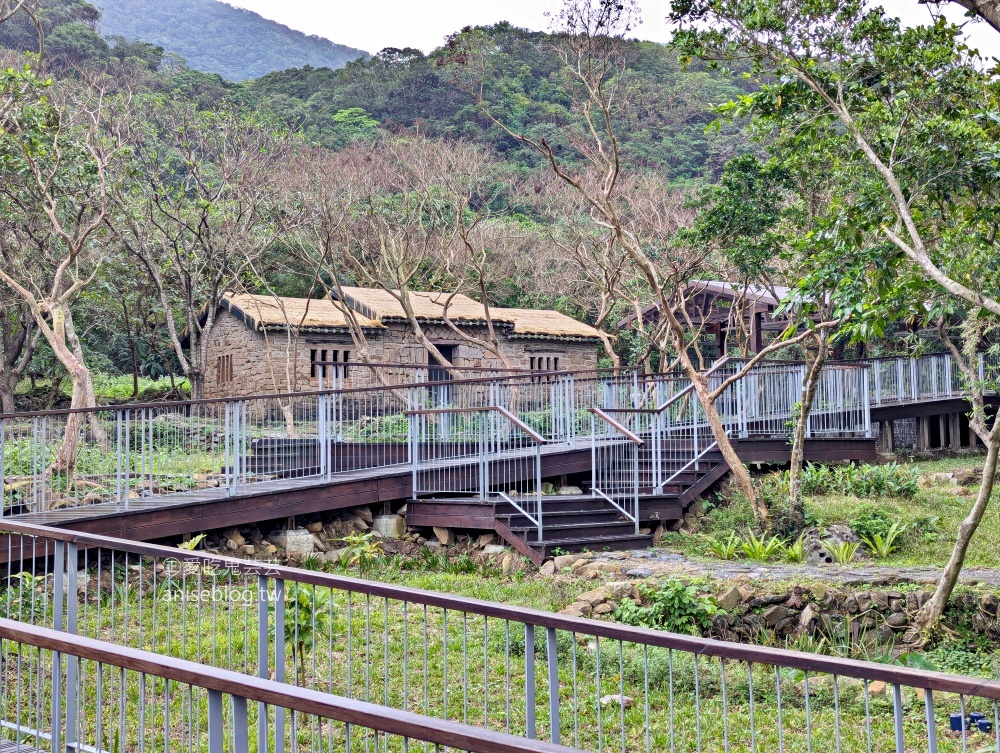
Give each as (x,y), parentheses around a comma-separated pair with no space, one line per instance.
(374,24)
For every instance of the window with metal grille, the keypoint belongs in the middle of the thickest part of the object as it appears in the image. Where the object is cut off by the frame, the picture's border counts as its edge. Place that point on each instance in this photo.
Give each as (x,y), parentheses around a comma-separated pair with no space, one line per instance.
(224,369)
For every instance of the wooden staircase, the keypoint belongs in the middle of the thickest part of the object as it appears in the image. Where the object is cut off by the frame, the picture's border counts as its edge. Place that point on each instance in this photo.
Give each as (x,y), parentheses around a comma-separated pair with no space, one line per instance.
(586,522)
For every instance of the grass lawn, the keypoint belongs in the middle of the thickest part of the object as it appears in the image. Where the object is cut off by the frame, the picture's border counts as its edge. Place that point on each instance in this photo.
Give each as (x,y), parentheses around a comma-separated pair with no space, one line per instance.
(932,518)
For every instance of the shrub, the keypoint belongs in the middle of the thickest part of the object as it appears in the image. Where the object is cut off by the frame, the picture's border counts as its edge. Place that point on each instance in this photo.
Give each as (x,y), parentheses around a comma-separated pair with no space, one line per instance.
(671,606)
(735,515)
(795,552)
(889,480)
(883,546)
(870,521)
(725,549)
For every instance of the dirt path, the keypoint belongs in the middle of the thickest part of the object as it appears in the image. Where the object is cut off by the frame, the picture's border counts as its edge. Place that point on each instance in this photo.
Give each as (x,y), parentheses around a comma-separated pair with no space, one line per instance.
(656,562)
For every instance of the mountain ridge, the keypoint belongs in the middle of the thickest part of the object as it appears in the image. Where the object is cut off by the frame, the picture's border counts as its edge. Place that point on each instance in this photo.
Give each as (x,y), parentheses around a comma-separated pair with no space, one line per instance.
(215,37)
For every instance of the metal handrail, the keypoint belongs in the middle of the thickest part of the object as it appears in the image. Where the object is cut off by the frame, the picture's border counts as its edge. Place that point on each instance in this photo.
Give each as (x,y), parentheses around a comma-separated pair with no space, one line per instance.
(893,674)
(486,408)
(617,426)
(325,705)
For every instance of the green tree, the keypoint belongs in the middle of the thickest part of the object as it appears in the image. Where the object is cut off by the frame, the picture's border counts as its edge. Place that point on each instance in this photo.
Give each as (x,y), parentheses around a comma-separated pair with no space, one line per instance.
(54,163)
(905,121)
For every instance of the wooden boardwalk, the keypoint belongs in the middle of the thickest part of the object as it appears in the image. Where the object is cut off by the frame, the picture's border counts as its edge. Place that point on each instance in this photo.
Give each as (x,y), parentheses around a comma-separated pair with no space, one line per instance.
(192,511)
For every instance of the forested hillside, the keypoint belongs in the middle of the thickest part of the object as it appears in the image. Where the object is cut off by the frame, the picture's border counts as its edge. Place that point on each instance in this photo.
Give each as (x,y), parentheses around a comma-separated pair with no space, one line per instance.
(215,37)
(663,116)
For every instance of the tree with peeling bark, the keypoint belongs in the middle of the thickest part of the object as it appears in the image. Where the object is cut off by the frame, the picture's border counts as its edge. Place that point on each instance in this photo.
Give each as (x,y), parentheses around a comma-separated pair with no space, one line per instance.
(18,338)
(406,215)
(905,118)
(55,152)
(198,211)
(589,41)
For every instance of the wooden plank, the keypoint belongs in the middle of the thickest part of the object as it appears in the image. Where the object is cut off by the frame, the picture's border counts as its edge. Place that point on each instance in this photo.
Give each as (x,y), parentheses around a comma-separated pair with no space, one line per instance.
(519,544)
(451,514)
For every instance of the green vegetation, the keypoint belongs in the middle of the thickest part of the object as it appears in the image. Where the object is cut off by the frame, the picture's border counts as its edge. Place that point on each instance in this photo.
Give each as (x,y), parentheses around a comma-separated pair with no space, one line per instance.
(889,480)
(670,605)
(919,530)
(843,552)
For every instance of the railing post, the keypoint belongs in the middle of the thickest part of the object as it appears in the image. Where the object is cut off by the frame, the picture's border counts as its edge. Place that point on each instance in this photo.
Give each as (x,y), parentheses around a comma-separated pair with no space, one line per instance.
(914,380)
(931,724)
(263,658)
(118,461)
(878,381)
(538,488)
(412,449)
(529,681)
(656,435)
(58,582)
(982,367)
(867,405)
(322,430)
(226,450)
(241,733)
(635,483)
(897,718)
(694,422)
(948,368)
(552,657)
(215,723)
(741,405)
(279,660)
(72,662)
(593,455)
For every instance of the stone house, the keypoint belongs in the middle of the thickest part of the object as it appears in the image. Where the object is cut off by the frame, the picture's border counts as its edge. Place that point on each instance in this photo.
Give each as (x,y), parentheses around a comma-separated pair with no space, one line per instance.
(264,344)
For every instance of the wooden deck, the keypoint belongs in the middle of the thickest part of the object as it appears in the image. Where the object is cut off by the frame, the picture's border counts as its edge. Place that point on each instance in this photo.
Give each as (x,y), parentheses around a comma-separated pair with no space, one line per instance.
(192,511)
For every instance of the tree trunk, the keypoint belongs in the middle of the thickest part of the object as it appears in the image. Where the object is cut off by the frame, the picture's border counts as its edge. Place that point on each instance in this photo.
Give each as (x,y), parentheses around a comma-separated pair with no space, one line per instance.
(725,445)
(813,372)
(196,380)
(930,614)
(6,397)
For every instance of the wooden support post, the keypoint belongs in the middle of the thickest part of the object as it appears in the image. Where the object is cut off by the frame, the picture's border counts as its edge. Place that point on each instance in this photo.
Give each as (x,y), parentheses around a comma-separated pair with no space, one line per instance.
(956,431)
(886,439)
(942,429)
(757,332)
(923,434)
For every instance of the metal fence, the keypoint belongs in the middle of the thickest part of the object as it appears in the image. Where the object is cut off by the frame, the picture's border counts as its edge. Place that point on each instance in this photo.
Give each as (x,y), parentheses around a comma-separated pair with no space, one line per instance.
(596,685)
(485,452)
(113,456)
(66,693)
(928,377)
(615,474)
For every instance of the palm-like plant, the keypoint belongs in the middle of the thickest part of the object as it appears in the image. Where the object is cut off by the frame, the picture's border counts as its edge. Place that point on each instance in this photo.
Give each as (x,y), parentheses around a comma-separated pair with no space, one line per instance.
(883,545)
(725,549)
(307,619)
(842,552)
(761,549)
(362,550)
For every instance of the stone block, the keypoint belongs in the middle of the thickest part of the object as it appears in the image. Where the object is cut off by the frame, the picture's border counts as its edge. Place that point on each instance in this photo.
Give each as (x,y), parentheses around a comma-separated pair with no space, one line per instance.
(390,526)
(731,599)
(297,542)
(494,549)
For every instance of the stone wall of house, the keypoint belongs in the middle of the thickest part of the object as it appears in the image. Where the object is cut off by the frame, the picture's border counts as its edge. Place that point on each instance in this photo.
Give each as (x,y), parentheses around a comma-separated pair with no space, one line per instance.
(234,354)
(259,364)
